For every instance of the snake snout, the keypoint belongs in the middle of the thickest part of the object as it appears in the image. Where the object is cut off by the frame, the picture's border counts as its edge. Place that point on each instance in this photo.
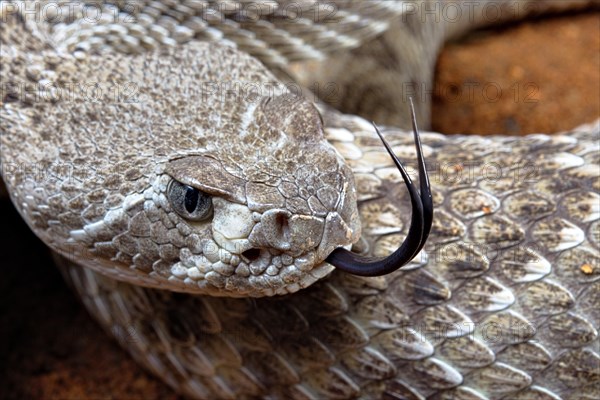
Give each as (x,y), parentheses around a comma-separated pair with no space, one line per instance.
(274,227)
(272,231)
(283,231)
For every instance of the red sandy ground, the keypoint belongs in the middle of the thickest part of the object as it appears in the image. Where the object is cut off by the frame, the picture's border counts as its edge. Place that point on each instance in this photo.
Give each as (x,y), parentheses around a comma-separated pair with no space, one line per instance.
(541,76)
(50,347)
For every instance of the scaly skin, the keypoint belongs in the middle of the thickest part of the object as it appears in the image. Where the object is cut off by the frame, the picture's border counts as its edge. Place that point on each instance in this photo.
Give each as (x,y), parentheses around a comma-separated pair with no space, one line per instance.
(501,304)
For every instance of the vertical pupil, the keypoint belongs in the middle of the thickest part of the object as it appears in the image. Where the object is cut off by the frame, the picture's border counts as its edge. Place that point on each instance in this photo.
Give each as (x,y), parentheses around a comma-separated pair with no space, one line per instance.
(191,199)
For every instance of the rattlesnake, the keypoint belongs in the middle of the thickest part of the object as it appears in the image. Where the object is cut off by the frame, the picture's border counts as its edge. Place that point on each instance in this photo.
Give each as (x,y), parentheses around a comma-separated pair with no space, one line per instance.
(502,304)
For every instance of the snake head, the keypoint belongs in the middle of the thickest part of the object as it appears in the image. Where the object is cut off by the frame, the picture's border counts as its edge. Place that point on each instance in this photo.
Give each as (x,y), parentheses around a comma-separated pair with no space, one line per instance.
(200,191)
(282,199)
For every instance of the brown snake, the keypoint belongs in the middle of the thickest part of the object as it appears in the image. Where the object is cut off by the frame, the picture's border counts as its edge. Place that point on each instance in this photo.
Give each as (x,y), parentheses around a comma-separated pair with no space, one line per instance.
(189,169)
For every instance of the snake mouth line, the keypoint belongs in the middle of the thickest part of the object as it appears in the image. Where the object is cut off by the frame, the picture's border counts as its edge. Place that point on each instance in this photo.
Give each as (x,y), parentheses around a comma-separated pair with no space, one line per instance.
(255,270)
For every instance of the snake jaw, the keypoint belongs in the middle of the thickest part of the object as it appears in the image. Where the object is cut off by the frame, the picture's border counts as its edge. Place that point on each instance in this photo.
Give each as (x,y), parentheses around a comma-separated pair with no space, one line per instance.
(276,252)
(421,221)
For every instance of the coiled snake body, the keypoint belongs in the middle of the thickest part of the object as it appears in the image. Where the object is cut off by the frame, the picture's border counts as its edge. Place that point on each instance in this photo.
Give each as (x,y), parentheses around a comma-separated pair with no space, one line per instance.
(179,174)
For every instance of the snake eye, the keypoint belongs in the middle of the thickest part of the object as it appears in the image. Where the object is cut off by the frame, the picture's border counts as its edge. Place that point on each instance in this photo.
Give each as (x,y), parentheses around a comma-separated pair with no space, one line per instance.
(190,203)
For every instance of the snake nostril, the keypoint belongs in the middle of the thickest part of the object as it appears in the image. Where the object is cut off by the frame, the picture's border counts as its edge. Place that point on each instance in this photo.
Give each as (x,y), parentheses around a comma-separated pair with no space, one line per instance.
(251,254)
(281,222)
